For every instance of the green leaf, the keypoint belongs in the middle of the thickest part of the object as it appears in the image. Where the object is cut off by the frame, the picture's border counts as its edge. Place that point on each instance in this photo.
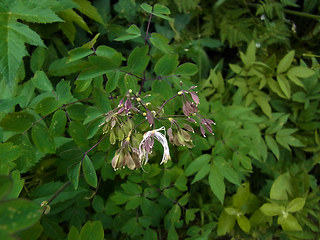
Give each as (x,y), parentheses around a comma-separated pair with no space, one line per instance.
(284,138)
(131,188)
(138,60)
(89,172)
(166,65)
(78,133)
(79,53)
(301,72)
(146,7)
(190,214)
(160,9)
(225,223)
(74,174)
(272,209)
(216,183)
(17,121)
(113,79)
(133,32)
(98,203)
(281,187)
(87,9)
(14,35)
(285,62)
(18,184)
(18,214)
(296,205)
(41,81)
(9,152)
(197,164)
(63,91)
(92,230)
(289,223)
(263,102)
(161,42)
(5,186)
(242,195)
(42,139)
(58,123)
(37,59)
(61,67)
(272,145)
(73,233)
(226,169)
(186,69)
(284,85)
(101,100)
(47,105)
(243,223)
(201,173)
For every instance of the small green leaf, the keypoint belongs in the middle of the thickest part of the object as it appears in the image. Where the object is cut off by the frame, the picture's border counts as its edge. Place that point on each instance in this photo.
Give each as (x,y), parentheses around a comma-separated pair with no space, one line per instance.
(131,188)
(9,152)
(289,223)
(186,69)
(41,81)
(225,223)
(133,32)
(272,145)
(138,60)
(285,62)
(87,9)
(272,209)
(89,172)
(284,85)
(201,173)
(113,79)
(160,9)
(42,139)
(161,42)
(166,65)
(226,169)
(73,174)
(79,53)
(301,72)
(98,203)
(101,100)
(92,230)
(296,205)
(63,91)
(73,233)
(146,7)
(216,183)
(17,121)
(243,223)
(263,102)
(5,186)
(190,214)
(242,195)
(197,164)
(47,105)
(37,58)
(281,187)
(78,133)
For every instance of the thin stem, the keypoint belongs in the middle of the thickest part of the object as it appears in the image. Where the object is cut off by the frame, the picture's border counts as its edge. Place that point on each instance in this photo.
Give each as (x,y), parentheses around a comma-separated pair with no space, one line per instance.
(148,27)
(97,143)
(56,194)
(131,74)
(162,106)
(143,80)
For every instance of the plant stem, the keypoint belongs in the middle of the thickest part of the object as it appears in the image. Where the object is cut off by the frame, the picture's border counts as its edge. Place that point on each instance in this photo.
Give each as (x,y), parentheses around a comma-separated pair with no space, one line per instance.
(162,106)
(97,143)
(57,193)
(148,27)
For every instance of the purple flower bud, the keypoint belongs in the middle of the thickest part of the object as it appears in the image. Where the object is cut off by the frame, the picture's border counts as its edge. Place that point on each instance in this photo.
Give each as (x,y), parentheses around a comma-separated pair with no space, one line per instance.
(195,97)
(193,87)
(121,110)
(203,132)
(121,102)
(150,117)
(128,105)
(188,128)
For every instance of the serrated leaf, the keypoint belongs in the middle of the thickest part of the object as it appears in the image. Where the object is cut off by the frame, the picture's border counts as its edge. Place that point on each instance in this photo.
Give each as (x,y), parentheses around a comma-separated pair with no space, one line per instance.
(186,69)
(18,214)
(296,205)
(74,174)
(272,209)
(216,183)
(273,146)
(17,121)
(285,62)
(42,139)
(197,164)
(41,81)
(161,42)
(89,172)
(166,65)
(138,60)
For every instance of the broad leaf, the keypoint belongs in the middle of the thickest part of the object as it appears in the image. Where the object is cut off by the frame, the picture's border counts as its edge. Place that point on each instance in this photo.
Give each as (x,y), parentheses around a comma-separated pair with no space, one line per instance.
(161,42)
(296,205)
(285,62)
(42,139)
(41,81)
(138,60)
(186,69)
(17,121)
(272,209)
(74,174)
(89,172)
(166,65)
(216,183)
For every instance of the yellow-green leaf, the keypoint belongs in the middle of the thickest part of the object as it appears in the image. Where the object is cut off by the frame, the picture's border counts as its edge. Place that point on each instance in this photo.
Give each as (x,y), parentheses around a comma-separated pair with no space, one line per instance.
(285,62)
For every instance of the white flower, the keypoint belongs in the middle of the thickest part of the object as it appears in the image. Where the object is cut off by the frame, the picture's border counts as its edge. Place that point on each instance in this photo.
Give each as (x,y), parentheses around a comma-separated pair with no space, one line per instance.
(146,145)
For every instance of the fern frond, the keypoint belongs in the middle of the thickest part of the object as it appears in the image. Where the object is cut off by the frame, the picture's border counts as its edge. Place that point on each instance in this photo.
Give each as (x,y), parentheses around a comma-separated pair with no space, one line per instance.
(185,6)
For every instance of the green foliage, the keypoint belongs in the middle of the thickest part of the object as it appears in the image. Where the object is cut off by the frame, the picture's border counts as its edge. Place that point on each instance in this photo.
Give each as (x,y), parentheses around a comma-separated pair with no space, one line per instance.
(84,83)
